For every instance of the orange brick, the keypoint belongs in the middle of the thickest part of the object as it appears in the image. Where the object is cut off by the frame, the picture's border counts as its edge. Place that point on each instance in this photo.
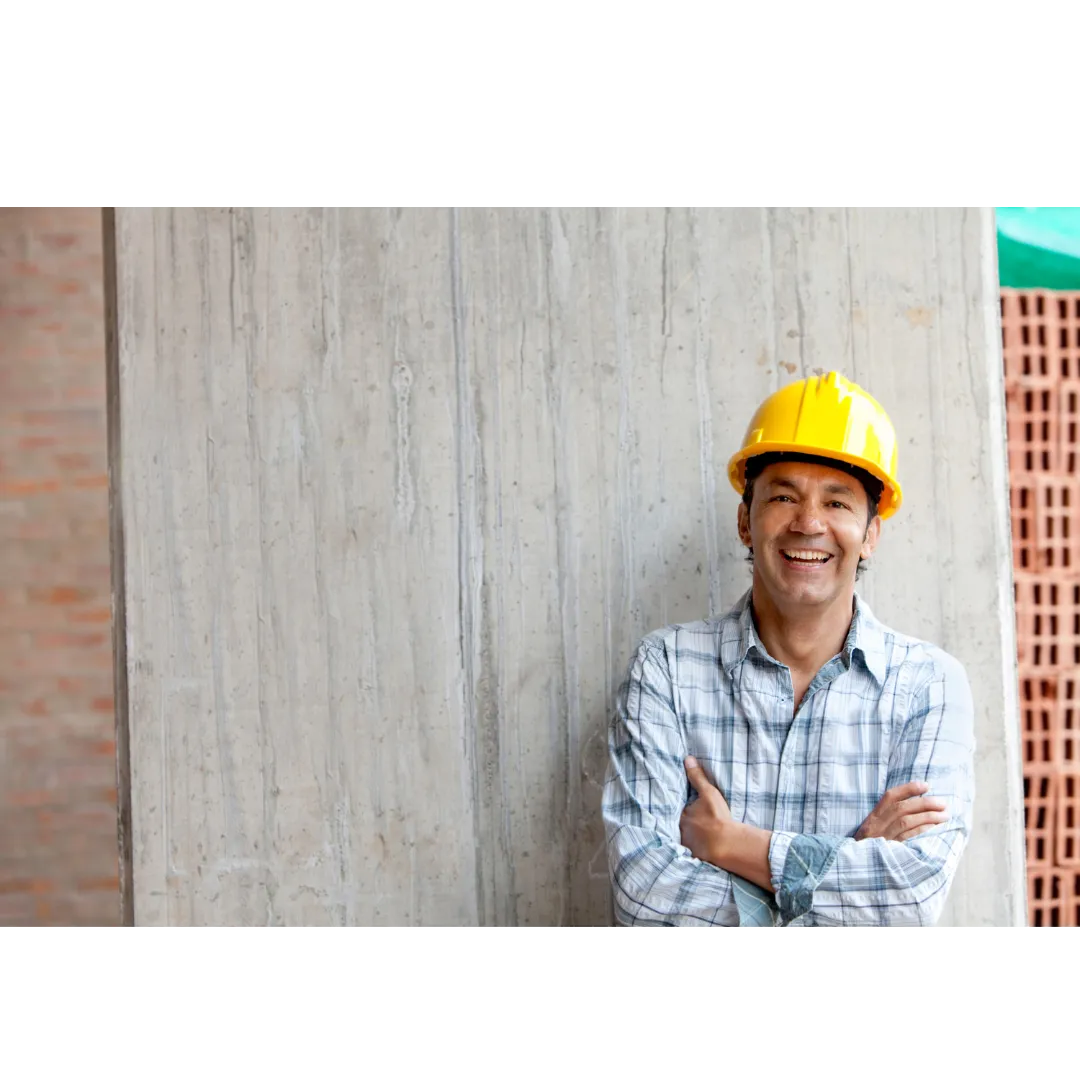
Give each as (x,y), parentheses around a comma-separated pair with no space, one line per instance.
(94,355)
(22,616)
(91,615)
(60,242)
(75,461)
(101,481)
(1040,805)
(22,885)
(1039,722)
(1067,824)
(12,886)
(17,911)
(68,685)
(88,774)
(23,311)
(48,528)
(68,640)
(1050,901)
(85,393)
(80,819)
(1067,753)
(59,594)
(12,488)
(101,884)
(43,797)
(95,531)
(64,420)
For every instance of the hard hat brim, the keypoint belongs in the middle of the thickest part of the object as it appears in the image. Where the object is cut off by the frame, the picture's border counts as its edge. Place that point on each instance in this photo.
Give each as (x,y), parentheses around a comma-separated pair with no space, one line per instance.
(891,495)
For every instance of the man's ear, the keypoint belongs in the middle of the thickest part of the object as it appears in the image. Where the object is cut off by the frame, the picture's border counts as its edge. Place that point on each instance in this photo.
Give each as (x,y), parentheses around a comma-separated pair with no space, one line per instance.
(744,524)
(873,533)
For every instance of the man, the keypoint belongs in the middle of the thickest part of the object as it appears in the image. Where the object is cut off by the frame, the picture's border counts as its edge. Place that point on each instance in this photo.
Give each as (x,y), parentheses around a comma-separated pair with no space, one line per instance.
(794,761)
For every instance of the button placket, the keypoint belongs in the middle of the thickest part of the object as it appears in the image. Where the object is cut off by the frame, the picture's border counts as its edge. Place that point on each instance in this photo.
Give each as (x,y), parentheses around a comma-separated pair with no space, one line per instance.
(788,752)
(824,678)
(789,806)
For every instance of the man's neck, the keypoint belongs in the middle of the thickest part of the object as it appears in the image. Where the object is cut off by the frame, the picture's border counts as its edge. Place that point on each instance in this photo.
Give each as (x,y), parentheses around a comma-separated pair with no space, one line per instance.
(803,640)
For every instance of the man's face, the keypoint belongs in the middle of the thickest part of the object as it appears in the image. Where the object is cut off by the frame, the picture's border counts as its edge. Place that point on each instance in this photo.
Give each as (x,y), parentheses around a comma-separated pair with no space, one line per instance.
(807,524)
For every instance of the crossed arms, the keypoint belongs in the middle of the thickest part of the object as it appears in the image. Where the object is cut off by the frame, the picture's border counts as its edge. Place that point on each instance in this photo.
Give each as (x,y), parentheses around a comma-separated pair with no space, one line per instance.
(677,864)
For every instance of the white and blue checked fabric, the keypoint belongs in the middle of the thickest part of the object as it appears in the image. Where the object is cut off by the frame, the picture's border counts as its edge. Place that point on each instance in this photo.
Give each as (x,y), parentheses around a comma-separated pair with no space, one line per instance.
(886,710)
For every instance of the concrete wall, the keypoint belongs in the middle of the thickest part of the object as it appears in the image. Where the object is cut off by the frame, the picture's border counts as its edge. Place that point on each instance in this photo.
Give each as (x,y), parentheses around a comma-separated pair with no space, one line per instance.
(396,493)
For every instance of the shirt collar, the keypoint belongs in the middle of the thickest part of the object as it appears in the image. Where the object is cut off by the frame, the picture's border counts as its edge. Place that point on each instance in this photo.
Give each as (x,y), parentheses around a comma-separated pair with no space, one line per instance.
(865,638)
(740,635)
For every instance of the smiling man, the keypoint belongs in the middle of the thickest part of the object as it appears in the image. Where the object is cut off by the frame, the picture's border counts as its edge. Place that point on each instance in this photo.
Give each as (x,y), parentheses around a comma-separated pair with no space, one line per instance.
(794,761)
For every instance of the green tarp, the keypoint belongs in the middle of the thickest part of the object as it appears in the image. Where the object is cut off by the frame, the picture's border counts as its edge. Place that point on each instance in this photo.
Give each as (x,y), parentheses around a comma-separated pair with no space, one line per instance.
(1039,247)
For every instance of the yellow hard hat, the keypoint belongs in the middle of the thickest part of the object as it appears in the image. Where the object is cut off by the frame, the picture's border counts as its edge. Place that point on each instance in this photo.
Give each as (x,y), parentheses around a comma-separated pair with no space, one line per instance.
(828,417)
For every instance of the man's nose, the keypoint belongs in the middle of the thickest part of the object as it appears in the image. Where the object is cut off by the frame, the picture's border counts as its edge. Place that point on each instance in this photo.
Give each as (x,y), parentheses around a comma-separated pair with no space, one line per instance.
(807,519)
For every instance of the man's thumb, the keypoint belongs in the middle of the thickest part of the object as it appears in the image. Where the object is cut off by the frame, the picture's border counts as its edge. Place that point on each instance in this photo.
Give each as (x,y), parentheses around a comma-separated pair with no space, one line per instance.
(696,775)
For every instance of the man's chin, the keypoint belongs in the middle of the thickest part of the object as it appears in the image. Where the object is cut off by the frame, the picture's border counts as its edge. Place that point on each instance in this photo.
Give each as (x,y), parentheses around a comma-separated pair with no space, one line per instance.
(804,589)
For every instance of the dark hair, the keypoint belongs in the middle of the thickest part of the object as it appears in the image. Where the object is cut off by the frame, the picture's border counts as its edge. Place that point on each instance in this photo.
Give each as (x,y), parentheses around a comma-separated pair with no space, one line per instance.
(871,484)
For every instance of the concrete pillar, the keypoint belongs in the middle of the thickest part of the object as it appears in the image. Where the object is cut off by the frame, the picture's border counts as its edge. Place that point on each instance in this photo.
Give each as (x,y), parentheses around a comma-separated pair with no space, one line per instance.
(396,493)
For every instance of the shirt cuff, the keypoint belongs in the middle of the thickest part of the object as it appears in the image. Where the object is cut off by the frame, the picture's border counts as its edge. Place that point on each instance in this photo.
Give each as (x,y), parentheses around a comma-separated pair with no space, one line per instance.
(797,864)
(778,853)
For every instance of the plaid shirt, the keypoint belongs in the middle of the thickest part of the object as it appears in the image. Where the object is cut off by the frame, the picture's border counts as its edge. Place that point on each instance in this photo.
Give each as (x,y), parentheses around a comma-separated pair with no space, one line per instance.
(886,710)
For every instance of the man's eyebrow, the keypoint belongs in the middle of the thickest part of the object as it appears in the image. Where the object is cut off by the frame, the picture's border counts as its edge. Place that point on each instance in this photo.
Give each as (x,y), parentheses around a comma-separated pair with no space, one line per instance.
(839,489)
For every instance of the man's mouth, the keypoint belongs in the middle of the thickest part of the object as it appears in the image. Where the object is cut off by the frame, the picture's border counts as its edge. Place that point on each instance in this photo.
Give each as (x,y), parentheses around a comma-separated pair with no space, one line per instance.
(805,556)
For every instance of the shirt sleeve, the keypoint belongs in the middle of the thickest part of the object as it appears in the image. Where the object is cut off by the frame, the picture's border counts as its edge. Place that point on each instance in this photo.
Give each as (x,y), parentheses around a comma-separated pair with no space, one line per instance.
(843,881)
(655,879)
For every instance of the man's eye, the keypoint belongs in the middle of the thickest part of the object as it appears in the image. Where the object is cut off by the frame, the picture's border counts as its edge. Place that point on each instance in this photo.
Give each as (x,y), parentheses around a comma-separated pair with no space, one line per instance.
(777,498)
(843,506)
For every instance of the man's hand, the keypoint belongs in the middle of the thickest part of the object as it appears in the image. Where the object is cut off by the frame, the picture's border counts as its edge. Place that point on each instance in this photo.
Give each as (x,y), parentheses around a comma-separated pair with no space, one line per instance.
(903,812)
(712,834)
(701,826)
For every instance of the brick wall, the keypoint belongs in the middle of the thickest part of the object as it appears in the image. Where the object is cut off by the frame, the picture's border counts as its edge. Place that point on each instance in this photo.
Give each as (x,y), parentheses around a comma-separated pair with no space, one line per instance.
(58,850)
(1041,342)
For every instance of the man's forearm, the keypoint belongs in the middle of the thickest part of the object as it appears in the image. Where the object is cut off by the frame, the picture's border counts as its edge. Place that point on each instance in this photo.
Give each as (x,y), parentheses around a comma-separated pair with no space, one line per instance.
(657,884)
(912,894)
(743,850)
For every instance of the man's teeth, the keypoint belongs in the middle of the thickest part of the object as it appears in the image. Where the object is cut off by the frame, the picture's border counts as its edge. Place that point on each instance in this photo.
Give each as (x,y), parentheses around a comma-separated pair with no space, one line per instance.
(807,556)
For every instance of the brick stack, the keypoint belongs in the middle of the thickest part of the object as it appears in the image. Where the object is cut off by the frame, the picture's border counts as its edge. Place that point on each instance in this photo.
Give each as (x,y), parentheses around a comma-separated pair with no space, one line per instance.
(1041,340)
(58,850)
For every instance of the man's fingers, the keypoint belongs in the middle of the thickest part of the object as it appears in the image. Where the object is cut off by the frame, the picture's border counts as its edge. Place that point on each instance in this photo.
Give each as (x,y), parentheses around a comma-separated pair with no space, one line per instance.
(696,775)
(906,791)
(912,833)
(906,822)
(920,804)
(894,820)
(920,829)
